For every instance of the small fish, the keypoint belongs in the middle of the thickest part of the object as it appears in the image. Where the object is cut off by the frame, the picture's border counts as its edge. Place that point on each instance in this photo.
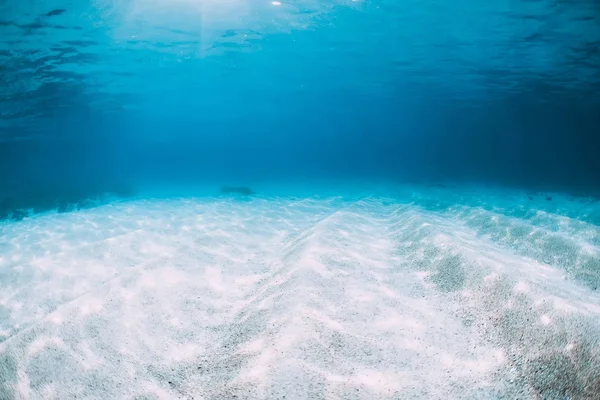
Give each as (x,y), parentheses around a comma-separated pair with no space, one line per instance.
(246,191)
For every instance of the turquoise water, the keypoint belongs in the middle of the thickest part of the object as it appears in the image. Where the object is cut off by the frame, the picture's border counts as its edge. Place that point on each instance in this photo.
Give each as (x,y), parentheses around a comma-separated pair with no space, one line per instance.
(110,95)
(240,199)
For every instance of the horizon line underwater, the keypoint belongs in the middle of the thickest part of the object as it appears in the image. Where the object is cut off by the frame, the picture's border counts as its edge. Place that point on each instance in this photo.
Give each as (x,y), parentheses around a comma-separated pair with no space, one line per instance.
(299,199)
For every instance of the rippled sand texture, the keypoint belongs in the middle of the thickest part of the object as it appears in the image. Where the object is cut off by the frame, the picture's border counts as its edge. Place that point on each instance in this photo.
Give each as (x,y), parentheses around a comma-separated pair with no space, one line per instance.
(429,295)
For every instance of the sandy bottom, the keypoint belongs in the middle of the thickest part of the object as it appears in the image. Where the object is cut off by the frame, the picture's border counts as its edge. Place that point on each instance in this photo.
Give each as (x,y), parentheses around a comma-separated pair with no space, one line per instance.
(424,294)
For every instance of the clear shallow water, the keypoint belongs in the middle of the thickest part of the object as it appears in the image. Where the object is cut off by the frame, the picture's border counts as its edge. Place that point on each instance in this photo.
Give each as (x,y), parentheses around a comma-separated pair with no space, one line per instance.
(341,200)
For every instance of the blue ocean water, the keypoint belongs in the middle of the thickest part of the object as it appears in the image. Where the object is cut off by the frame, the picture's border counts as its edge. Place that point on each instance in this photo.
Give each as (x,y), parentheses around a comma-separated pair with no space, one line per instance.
(112,95)
(300,199)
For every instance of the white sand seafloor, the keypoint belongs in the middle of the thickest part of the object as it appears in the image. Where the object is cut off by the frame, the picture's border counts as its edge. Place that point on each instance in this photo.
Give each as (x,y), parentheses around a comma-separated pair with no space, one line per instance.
(424,294)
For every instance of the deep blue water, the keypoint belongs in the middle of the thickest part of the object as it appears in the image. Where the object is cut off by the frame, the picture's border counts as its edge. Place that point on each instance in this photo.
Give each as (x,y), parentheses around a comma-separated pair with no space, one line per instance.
(113,95)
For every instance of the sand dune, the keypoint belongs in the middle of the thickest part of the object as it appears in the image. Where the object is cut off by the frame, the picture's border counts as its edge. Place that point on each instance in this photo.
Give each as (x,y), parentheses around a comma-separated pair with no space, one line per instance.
(400,297)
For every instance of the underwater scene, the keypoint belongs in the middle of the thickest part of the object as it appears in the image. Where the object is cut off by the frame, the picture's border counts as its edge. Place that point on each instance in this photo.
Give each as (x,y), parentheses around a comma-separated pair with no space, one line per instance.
(300,199)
